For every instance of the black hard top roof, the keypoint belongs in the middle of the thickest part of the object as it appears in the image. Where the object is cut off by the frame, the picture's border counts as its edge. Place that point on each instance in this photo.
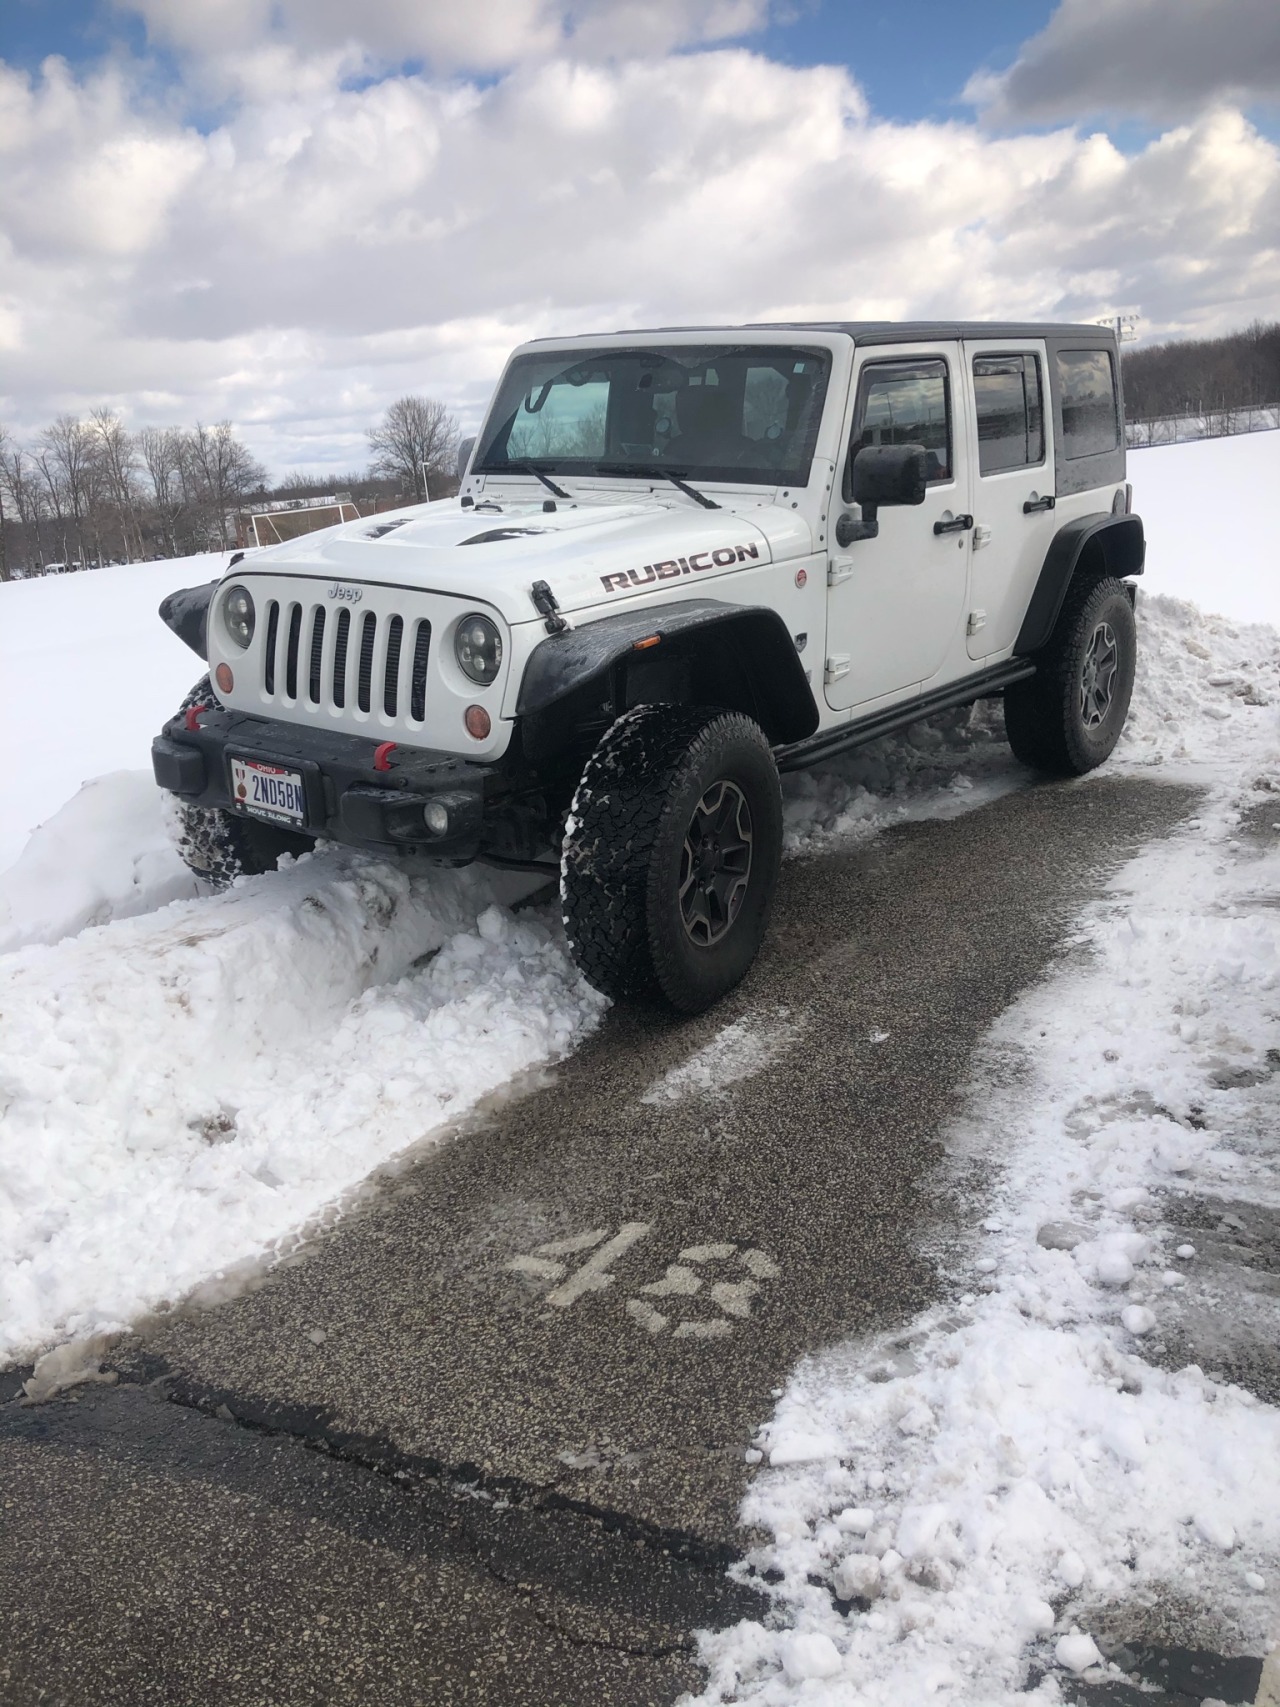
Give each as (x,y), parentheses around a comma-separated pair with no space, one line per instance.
(879,331)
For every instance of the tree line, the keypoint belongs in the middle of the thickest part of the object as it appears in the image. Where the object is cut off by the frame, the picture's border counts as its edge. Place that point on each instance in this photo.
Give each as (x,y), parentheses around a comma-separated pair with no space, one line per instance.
(83,492)
(1219,378)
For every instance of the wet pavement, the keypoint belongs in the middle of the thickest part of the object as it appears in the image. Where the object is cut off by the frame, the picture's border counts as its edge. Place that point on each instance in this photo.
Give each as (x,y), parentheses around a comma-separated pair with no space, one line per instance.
(495,1425)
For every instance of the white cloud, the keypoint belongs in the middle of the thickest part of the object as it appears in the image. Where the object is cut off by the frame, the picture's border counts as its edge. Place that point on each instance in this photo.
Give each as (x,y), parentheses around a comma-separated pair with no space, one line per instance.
(482,35)
(1165,59)
(327,247)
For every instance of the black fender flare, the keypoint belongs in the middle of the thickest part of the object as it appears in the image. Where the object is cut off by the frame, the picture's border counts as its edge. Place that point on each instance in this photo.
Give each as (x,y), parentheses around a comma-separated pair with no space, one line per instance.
(187,613)
(579,656)
(1118,538)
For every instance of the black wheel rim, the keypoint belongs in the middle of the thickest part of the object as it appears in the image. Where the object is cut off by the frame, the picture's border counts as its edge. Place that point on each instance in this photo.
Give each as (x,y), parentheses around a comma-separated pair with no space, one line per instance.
(1098,678)
(715,864)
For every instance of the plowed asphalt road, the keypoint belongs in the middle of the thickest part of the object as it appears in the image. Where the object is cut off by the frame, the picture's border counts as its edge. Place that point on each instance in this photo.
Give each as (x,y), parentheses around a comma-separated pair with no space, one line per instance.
(434,1461)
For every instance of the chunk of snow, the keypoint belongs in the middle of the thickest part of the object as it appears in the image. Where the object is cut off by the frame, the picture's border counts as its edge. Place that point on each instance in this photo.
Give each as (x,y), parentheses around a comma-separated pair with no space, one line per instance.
(857,1577)
(1138,1320)
(1077,1652)
(809,1654)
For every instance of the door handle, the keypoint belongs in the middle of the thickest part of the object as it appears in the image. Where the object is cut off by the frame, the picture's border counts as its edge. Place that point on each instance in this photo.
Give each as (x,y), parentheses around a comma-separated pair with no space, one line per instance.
(1033,504)
(957,524)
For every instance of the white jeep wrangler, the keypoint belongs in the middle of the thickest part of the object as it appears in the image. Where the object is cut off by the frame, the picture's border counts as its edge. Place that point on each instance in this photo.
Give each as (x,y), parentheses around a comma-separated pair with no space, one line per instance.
(680,563)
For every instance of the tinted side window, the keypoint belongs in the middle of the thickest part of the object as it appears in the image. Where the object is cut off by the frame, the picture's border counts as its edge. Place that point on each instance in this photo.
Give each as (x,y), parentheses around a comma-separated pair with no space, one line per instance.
(1090,419)
(904,403)
(1010,420)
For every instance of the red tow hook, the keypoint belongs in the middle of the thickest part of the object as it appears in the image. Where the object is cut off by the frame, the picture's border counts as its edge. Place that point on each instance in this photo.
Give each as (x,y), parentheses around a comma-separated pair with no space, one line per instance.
(382,755)
(193,717)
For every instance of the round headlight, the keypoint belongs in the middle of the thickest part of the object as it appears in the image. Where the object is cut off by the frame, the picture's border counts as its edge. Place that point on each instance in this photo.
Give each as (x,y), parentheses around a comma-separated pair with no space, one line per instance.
(237,614)
(478,648)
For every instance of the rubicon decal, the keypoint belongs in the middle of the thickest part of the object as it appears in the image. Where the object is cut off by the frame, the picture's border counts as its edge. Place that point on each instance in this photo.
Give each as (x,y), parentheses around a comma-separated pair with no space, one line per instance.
(674,567)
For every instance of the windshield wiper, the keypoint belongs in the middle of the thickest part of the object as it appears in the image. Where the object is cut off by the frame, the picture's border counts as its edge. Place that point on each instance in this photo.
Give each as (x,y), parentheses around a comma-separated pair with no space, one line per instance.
(624,468)
(528,468)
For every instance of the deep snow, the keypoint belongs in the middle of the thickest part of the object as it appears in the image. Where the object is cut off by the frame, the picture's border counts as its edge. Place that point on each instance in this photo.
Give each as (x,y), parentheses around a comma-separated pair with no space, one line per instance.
(88,673)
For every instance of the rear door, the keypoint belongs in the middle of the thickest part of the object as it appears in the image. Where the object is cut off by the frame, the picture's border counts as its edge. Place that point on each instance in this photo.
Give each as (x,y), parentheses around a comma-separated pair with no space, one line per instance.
(1013,486)
(895,602)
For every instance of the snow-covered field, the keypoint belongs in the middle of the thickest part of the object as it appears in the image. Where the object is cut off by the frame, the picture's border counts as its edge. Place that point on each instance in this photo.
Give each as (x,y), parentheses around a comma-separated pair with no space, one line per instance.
(188,1083)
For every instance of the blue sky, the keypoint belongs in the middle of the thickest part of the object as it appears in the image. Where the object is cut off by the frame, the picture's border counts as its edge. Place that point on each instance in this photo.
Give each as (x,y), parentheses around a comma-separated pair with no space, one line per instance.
(912,60)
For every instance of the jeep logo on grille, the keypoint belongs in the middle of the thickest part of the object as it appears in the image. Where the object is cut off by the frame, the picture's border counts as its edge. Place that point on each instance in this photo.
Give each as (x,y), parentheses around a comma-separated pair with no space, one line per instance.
(348,595)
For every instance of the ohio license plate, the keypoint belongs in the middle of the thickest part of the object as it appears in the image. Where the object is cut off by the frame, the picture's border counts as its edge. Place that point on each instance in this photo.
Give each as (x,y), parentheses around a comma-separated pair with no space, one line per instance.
(269,791)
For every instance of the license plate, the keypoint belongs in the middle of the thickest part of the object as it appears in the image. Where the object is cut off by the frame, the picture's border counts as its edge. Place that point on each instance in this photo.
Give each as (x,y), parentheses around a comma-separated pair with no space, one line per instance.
(269,791)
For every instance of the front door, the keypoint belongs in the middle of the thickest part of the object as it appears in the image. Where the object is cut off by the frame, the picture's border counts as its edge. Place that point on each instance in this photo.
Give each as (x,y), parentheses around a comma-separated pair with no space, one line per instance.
(896,602)
(1013,488)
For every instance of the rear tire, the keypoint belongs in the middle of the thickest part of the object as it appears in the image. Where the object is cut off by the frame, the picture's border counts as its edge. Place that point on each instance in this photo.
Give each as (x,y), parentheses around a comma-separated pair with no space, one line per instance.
(671,855)
(1068,717)
(219,846)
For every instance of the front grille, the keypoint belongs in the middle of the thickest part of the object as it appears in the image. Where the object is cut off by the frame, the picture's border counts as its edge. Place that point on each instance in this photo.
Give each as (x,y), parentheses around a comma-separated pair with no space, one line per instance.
(311,650)
(418,675)
(368,633)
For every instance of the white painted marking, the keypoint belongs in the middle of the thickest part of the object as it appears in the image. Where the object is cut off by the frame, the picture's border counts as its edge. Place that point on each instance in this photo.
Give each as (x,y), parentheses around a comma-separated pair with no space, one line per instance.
(707,1253)
(537,1268)
(714,1330)
(735,1300)
(760,1266)
(679,1282)
(646,1315)
(594,1274)
(573,1244)
(1269,1683)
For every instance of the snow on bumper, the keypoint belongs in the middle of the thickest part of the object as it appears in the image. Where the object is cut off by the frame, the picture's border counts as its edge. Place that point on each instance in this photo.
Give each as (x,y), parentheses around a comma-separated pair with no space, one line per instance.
(349,796)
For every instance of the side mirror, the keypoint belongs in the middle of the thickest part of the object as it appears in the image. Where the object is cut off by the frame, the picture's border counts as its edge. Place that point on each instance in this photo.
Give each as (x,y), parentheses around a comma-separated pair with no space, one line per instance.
(883,474)
(890,474)
(464,455)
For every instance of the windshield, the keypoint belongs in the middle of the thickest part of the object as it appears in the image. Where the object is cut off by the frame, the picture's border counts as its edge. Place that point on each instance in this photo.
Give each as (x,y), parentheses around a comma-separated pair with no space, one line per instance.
(732,412)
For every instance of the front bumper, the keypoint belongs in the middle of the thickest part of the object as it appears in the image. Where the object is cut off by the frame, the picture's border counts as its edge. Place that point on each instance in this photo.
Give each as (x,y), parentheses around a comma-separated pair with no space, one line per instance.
(347,800)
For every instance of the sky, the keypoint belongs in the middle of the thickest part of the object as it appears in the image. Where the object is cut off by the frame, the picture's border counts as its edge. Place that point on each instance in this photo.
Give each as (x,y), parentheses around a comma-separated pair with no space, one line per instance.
(290,212)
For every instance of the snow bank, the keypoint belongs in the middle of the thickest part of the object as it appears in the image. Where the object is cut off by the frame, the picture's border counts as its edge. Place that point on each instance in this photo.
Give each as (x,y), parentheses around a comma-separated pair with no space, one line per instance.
(107,854)
(952,1504)
(180,1093)
(88,673)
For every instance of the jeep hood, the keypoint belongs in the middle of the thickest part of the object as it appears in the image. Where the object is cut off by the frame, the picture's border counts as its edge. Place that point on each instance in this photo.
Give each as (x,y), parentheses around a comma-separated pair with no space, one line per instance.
(589,554)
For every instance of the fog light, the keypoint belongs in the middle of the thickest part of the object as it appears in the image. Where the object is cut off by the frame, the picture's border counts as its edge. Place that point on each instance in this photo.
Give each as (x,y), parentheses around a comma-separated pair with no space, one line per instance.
(477,721)
(225,680)
(436,817)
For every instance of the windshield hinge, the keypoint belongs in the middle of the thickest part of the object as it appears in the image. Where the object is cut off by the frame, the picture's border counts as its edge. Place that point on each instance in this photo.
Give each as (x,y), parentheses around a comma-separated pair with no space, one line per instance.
(545,603)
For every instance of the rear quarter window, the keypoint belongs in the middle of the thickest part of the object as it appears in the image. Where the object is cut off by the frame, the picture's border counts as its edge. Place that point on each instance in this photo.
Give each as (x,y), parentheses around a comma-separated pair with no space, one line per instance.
(1090,406)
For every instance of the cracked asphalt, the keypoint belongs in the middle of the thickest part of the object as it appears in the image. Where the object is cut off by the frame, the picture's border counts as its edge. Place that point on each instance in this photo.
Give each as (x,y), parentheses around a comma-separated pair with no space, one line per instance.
(487,1440)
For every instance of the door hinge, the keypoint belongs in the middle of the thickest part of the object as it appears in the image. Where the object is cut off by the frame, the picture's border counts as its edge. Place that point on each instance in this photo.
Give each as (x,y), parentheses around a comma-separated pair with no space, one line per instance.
(839,664)
(839,569)
(981,536)
(977,620)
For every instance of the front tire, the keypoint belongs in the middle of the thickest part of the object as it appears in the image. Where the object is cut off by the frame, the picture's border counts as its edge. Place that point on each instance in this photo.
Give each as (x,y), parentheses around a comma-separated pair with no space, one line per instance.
(218,846)
(1068,717)
(671,855)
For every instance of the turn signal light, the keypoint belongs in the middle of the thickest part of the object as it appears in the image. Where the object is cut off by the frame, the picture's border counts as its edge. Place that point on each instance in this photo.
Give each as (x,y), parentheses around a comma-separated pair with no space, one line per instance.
(225,680)
(477,721)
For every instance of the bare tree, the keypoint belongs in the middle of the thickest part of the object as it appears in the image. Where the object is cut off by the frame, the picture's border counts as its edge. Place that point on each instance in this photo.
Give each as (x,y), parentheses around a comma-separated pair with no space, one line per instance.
(66,462)
(4,547)
(227,473)
(116,456)
(164,453)
(416,439)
